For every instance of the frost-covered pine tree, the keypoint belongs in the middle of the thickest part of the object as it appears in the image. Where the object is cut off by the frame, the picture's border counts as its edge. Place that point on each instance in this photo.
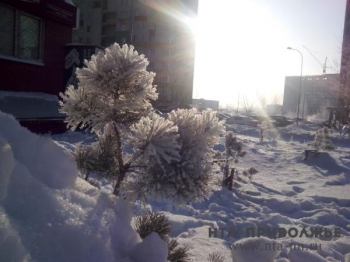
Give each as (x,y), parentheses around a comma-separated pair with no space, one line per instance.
(169,158)
(114,92)
(263,130)
(234,150)
(322,140)
(178,169)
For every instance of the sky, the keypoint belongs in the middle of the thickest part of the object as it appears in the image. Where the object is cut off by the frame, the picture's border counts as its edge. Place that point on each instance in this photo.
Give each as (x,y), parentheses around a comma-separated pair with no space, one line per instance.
(241,46)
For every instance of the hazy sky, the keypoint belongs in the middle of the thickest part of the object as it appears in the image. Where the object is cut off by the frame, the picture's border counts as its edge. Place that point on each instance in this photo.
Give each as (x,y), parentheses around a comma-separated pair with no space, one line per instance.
(242,45)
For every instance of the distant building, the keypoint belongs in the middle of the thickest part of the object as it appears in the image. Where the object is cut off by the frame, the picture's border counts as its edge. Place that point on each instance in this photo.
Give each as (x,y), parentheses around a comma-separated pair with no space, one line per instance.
(202,104)
(317,93)
(33,35)
(156,29)
(344,94)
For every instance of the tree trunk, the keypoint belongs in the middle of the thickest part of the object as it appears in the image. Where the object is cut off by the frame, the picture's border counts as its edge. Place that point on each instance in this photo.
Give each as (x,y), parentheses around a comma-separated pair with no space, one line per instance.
(122,168)
(230,181)
(121,177)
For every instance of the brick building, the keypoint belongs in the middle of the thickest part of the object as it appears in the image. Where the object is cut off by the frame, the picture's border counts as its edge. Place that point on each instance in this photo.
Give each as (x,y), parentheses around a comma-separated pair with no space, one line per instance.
(33,35)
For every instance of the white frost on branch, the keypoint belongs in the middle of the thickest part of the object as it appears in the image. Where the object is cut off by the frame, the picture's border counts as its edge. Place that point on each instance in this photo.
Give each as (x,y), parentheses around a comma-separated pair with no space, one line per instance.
(189,178)
(155,137)
(171,159)
(113,87)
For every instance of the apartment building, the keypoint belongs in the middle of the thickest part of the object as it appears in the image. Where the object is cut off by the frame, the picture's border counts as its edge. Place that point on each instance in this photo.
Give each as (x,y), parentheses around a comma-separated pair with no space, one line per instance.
(317,93)
(157,29)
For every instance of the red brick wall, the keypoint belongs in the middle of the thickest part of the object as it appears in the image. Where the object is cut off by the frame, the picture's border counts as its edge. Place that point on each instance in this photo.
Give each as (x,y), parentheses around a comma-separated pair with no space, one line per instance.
(18,76)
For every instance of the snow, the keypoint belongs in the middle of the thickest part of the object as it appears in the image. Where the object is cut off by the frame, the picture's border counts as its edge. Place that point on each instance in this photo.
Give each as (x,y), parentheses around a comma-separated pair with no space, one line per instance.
(287,192)
(47,213)
(149,249)
(239,255)
(35,95)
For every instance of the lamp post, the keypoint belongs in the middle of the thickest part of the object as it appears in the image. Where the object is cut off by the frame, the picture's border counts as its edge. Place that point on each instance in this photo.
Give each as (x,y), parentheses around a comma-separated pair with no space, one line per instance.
(301,75)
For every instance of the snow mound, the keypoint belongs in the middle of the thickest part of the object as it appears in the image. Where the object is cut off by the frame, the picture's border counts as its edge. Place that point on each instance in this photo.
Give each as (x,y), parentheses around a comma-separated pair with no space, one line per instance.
(244,250)
(48,214)
(31,151)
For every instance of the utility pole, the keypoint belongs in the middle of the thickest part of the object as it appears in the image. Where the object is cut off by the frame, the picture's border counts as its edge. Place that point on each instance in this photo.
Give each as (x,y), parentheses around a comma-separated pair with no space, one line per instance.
(301,75)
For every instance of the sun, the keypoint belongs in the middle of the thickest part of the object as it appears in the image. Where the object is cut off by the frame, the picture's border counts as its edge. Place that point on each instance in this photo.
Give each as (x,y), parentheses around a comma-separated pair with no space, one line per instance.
(240,49)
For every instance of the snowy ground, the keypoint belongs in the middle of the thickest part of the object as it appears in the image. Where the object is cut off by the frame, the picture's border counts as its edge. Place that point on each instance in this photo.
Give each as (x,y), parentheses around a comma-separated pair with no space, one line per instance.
(288,192)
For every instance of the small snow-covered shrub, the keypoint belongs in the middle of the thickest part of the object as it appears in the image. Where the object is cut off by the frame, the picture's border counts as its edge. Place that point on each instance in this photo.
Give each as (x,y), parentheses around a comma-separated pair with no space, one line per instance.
(177,253)
(149,222)
(170,158)
(216,257)
(322,140)
(234,150)
(180,173)
(263,130)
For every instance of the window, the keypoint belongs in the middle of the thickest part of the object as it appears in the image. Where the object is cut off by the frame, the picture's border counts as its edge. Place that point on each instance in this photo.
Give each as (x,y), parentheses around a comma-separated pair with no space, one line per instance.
(124,14)
(164,65)
(124,27)
(96,4)
(104,18)
(153,12)
(88,28)
(166,26)
(164,79)
(151,65)
(21,34)
(104,30)
(104,5)
(151,51)
(29,41)
(104,41)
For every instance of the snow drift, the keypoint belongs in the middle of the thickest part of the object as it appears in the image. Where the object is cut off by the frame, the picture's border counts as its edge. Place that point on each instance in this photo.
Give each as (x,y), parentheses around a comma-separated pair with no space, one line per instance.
(47,213)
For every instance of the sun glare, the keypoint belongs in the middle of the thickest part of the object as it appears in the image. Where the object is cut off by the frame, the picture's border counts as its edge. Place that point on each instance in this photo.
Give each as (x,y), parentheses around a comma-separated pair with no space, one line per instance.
(239,52)
(192,24)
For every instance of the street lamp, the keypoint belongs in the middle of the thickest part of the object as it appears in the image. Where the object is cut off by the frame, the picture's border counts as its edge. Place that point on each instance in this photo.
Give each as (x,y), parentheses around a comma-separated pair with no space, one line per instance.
(301,75)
